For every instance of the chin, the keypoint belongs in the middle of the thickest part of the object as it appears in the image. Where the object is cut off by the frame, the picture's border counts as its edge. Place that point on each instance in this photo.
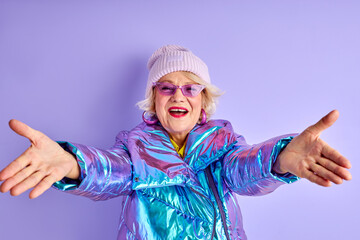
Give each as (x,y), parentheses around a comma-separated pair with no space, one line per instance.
(178,128)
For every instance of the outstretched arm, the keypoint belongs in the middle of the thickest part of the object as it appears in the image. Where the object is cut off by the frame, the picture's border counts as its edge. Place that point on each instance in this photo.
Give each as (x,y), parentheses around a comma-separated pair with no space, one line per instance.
(248,168)
(42,164)
(99,174)
(307,156)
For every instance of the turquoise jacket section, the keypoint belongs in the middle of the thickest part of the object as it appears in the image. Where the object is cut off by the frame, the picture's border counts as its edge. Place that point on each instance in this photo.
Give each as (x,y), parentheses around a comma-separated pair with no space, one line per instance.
(167,197)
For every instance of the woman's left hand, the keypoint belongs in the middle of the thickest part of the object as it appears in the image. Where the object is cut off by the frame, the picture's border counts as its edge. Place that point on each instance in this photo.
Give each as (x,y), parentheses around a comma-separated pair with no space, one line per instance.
(307,156)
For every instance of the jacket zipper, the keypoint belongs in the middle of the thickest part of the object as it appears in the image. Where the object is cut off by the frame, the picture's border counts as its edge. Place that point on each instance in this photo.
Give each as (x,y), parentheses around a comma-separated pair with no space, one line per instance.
(217,198)
(214,225)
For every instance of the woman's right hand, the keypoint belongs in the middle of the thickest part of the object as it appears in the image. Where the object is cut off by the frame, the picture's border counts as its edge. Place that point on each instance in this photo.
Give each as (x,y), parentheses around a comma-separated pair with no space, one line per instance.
(41,165)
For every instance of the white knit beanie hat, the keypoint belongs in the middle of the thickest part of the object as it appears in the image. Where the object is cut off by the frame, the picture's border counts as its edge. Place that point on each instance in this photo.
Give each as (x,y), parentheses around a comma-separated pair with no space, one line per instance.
(172,58)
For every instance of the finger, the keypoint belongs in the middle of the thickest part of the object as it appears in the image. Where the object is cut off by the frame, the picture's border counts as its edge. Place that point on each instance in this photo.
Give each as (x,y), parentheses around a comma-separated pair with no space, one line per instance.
(23,130)
(325,173)
(334,167)
(17,178)
(44,185)
(324,123)
(28,183)
(15,166)
(334,155)
(309,175)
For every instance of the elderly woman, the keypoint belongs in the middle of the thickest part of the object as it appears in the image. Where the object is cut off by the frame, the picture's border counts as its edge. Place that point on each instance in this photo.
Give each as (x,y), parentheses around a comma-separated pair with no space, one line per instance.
(179,170)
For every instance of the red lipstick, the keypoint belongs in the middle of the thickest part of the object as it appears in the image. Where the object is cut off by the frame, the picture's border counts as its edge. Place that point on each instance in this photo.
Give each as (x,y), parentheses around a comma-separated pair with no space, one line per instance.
(178,112)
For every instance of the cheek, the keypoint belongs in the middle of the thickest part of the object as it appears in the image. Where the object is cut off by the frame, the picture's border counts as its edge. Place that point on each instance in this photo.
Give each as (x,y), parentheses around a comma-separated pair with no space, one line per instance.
(160,105)
(197,103)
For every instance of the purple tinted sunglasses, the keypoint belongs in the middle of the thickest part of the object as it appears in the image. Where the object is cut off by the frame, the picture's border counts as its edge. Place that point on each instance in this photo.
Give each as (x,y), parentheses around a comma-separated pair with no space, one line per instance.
(168,89)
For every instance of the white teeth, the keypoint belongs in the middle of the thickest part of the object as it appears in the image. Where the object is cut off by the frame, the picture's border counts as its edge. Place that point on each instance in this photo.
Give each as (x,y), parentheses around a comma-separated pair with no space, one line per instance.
(178,110)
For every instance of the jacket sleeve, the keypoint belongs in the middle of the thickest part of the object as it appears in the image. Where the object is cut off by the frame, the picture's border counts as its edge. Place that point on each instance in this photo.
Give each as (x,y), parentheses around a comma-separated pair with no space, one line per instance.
(104,173)
(248,168)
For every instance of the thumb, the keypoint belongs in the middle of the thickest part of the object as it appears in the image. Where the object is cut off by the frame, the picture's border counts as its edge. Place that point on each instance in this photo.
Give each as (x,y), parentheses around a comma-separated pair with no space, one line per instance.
(324,123)
(23,129)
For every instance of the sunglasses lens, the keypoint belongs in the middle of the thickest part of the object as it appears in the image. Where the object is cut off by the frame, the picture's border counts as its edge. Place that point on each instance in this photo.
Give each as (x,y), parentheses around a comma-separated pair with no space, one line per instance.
(166,88)
(192,90)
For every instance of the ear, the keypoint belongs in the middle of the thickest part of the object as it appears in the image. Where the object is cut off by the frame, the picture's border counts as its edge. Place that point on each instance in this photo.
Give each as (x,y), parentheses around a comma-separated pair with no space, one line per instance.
(153,98)
(203,100)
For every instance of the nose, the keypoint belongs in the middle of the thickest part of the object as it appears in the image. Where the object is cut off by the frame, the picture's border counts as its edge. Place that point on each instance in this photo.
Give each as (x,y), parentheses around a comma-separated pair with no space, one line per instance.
(178,96)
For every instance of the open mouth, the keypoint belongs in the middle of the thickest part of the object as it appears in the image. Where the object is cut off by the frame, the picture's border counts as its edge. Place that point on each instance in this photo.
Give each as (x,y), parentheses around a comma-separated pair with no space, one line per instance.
(178,112)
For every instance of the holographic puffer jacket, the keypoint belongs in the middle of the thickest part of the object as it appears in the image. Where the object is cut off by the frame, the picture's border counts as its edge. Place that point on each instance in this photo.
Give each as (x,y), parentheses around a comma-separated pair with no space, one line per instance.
(168,197)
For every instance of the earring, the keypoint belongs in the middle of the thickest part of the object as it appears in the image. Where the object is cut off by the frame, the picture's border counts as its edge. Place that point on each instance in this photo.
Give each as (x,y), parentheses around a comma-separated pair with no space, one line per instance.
(203,117)
(152,120)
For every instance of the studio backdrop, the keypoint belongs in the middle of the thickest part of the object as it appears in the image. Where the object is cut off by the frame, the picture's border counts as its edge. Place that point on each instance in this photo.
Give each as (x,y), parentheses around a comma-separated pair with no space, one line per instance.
(75,70)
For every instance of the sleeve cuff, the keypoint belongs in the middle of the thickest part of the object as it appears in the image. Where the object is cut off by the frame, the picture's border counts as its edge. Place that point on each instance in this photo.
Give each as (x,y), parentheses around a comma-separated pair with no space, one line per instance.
(67,184)
(279,146)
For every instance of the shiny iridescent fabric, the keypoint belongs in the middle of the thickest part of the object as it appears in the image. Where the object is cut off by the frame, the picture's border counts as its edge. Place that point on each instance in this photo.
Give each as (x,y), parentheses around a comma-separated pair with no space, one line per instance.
(167,197)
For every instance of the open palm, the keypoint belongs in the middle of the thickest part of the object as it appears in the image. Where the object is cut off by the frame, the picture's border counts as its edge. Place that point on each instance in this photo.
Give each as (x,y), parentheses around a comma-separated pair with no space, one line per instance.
(42,164)
(307,156)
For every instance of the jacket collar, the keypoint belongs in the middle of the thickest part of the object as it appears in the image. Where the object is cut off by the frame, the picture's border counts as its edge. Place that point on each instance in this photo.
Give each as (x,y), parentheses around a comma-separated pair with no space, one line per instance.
(156,163)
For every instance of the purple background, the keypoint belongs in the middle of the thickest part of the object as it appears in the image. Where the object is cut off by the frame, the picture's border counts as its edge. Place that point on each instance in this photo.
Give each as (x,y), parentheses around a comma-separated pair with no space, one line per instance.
(75,69)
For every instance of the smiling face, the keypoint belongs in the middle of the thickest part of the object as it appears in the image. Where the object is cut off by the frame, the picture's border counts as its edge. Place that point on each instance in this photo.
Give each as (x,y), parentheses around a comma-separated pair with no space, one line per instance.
(177,114)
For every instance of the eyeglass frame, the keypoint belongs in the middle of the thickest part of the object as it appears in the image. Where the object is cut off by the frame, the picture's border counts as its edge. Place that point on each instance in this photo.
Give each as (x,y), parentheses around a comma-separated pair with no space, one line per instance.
(156,84)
